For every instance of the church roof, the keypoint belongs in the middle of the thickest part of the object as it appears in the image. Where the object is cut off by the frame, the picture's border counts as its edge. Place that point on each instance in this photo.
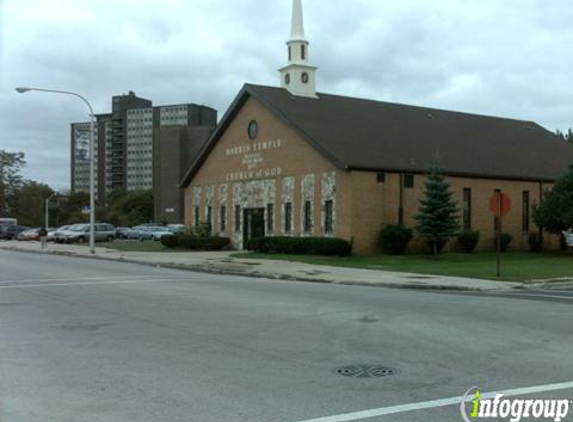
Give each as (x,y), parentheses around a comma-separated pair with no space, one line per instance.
(358,134)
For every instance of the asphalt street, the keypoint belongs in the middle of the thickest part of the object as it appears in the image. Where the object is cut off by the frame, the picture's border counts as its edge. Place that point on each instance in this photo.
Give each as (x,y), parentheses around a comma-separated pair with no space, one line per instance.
(89,340)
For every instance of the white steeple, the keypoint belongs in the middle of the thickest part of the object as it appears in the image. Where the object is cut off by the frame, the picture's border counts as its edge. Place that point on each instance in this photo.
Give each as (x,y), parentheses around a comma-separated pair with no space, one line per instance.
(298,77)
(297,28)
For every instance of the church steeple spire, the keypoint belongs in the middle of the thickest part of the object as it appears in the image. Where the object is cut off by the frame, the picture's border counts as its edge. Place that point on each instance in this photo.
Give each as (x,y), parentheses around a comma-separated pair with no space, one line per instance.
(298,77)
(297,27)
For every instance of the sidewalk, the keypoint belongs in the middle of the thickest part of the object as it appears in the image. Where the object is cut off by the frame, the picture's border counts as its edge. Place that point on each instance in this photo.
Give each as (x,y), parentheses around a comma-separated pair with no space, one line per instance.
(222,263)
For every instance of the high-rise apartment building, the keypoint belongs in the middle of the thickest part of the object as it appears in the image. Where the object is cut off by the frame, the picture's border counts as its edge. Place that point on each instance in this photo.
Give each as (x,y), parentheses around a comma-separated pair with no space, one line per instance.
(139,146)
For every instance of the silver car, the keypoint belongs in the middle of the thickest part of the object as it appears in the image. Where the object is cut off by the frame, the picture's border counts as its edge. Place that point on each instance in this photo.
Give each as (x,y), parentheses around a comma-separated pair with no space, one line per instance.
(55,235)
(80,233)
(154,233)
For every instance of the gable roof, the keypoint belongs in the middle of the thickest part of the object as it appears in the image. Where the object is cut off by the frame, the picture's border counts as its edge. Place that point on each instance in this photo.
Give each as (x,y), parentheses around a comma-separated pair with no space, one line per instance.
(358,134)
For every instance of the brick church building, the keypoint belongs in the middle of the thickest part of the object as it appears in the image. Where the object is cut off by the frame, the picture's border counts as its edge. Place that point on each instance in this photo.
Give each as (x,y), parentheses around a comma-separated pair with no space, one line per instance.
(291,161)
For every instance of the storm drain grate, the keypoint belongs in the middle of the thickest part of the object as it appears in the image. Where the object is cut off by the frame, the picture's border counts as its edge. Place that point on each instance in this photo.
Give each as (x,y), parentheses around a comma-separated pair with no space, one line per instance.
(365,371)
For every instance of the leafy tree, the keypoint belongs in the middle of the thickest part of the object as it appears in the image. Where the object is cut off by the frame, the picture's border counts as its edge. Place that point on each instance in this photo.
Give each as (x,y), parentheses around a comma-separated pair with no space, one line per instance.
(70,207)
(28,202)
(115,195)
(555,213)
(11,180)
(438,214)
(131,208)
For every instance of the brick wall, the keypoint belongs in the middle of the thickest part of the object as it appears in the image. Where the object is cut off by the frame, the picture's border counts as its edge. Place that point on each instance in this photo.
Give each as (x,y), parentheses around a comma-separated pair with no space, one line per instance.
(363,203)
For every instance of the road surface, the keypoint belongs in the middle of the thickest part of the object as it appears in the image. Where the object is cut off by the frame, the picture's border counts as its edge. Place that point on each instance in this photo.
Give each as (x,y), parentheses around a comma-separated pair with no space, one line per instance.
(89,340)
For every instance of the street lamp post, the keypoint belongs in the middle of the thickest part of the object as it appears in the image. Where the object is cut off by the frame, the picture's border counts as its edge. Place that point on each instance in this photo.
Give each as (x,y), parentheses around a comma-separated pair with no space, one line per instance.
(23,90)
(47,224)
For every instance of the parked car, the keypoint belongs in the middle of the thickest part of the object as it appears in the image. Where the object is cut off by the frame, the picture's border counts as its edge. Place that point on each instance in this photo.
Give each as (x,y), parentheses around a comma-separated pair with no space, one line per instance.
(134,232)
(122,232)
(54,235)
(10,232)
(154,233)
(176,228)
(28,235)
(80,233)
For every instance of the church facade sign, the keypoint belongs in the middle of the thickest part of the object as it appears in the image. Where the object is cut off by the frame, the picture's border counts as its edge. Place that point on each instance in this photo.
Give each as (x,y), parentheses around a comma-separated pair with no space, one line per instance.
(276,176)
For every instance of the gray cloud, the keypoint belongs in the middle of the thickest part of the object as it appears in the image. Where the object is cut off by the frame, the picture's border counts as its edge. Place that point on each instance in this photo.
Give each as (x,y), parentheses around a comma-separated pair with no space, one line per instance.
(505,58)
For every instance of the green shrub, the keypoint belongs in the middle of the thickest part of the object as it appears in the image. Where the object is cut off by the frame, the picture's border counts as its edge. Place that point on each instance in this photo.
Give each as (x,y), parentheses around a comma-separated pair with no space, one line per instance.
(328,247)
(170,241)
(189,241)
(394,239)
(535,242)
(300,246)
(202,243)
(201,230)
(506,240)
(256,244)
(468,241)
(213,243)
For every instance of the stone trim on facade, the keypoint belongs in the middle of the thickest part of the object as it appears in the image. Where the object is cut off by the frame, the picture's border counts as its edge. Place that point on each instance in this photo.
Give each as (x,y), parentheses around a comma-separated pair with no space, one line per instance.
(328,193)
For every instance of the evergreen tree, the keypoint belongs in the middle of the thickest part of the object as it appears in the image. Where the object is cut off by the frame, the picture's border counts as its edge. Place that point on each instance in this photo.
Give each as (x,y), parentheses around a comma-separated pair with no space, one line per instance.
(555,213)
(438,214)
(568,136)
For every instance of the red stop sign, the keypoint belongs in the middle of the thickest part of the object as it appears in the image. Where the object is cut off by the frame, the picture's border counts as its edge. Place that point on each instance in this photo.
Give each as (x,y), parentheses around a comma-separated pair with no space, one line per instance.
(500,204)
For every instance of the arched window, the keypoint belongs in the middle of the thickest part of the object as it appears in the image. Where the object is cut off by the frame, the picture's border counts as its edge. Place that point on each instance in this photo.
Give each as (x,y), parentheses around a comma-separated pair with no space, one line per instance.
(303,51)
(289,53)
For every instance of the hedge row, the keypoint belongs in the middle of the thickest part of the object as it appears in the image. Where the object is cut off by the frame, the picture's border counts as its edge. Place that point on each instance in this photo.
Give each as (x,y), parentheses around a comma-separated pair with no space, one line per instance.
(300,246)
(394,240)
(195,243)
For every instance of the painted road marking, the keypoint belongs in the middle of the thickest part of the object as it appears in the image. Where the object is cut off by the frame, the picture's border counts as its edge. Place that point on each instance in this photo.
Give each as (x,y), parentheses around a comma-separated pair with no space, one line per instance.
(32,280)
(537,295)
(560,291)
(367,414)
(87,283)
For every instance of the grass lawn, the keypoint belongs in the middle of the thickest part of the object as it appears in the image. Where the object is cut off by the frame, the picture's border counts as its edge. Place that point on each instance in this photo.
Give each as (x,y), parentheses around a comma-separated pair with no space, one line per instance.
(516,266)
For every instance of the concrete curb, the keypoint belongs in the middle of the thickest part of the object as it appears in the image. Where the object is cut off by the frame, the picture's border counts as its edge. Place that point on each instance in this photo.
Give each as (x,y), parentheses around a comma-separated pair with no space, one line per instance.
(282,277)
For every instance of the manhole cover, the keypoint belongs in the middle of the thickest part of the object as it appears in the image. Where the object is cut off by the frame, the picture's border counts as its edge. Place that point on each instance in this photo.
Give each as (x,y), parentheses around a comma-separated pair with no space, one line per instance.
(366,371)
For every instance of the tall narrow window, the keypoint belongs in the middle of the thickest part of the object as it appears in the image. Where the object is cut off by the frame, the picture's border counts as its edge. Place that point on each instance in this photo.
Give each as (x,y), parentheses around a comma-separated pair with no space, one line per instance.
(467,210)
(526,212)
(196,216)
(223,218)
(210,217)
(288,217)
(328,216)
(307,216)
(408,181)
(237,218)
(303,51)
(289,53)
(270,218)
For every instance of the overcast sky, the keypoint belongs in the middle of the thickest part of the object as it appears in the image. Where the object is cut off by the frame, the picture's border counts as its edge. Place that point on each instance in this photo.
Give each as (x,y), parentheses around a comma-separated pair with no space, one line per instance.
(498,57)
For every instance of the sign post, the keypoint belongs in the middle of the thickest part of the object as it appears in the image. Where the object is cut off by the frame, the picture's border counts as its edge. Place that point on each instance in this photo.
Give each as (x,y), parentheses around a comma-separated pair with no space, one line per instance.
(500,205)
